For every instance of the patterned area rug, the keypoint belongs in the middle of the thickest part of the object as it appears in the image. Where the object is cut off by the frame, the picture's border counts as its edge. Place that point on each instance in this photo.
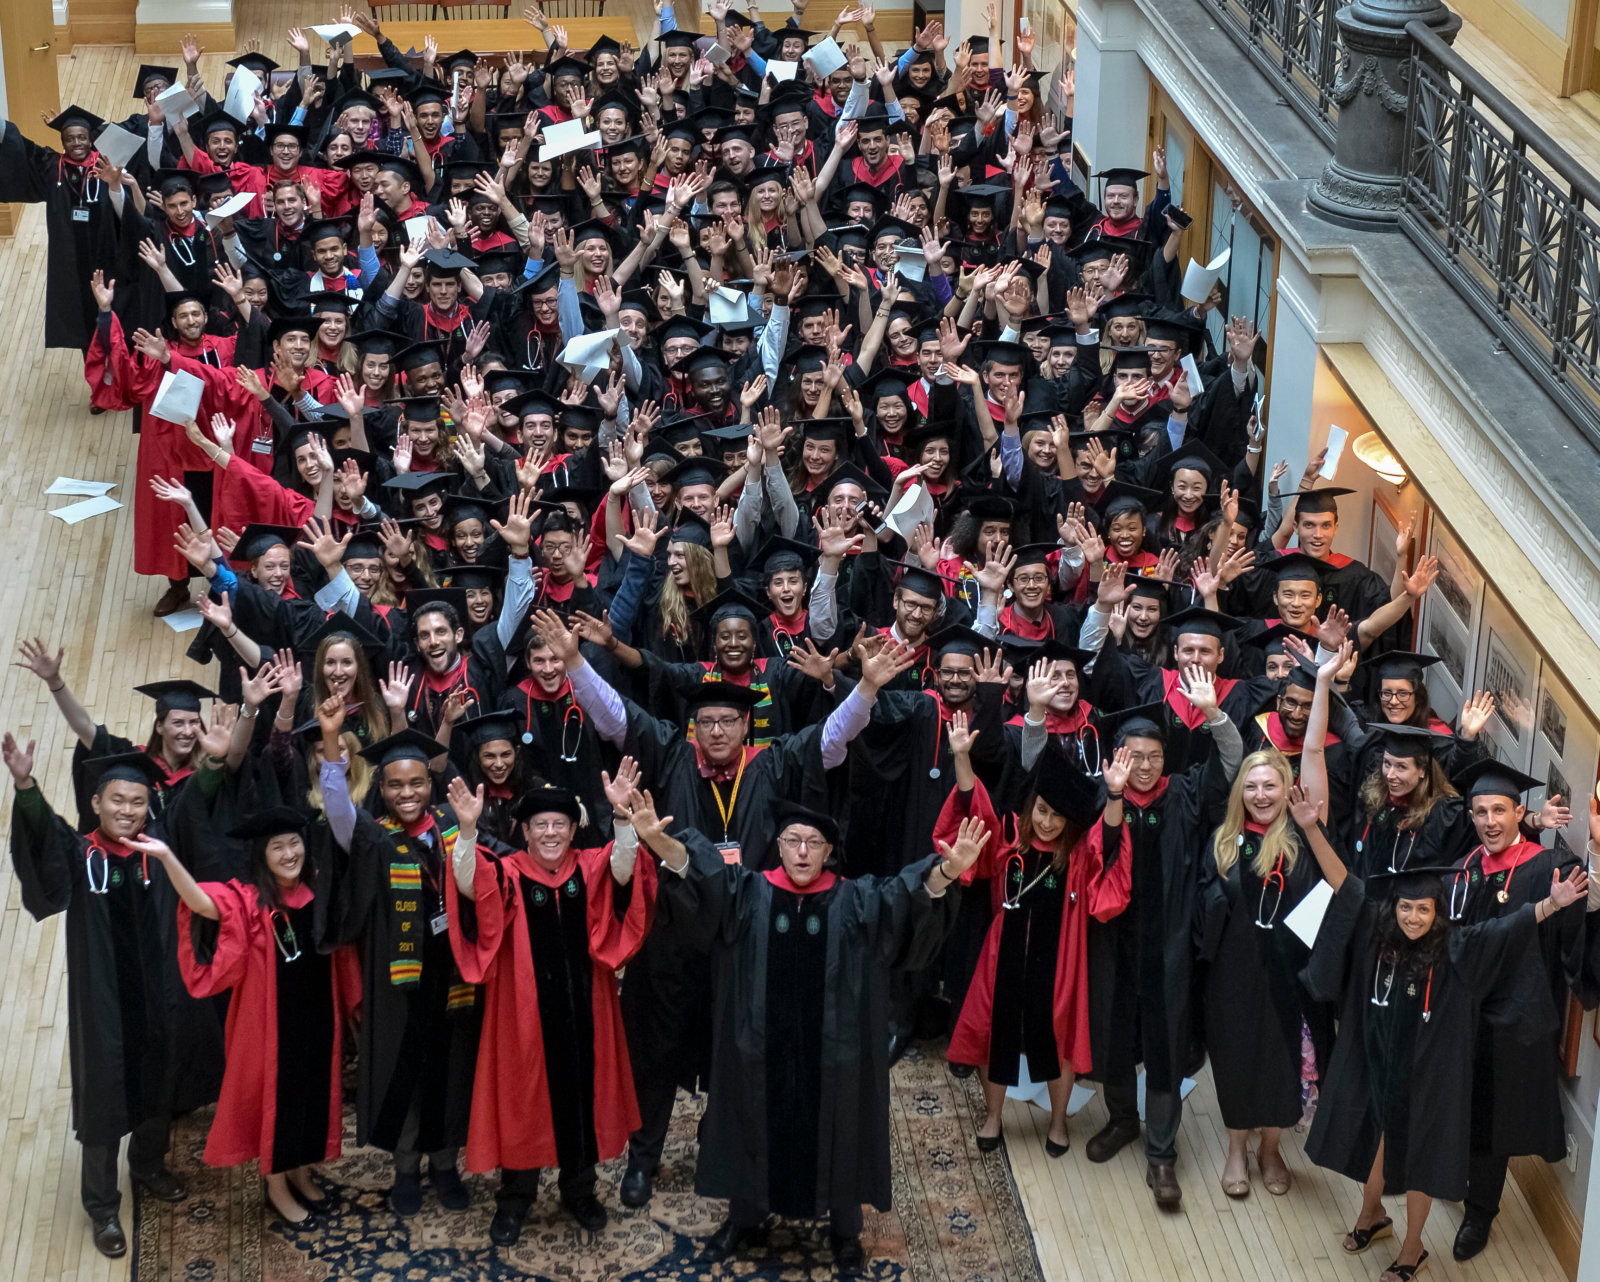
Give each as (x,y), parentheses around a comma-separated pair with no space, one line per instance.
(957,1215)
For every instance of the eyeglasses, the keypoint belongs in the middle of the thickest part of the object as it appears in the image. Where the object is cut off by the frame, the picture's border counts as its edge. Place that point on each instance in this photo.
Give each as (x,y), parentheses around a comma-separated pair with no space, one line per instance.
(1030,581)
(717,723)
(802,843)
(911,608)
(957,674)
(1396,696)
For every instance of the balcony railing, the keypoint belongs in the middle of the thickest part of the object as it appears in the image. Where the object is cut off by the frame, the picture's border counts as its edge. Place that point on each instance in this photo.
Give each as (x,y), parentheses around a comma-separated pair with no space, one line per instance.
(1509,217)
(1296,42)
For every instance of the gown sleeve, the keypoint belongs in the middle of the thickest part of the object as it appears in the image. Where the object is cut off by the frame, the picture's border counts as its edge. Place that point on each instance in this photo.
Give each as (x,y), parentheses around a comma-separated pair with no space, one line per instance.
(1326,974)
(44,849)
(233,931)
(613,939)
(910,924)
(707,897)
(975,804)
(478,926)
(1108,852)
(1211,916)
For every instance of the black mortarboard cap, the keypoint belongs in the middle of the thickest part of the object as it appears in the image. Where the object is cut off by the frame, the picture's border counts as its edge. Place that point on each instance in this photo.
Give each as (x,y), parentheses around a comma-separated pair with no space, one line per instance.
(1494,779)
(180,694)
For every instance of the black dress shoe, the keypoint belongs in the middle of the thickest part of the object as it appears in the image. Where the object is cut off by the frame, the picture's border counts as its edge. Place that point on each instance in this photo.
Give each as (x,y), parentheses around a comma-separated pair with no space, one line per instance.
(899,1044)
(108,1239)
(1110,1140)
(636,1188)
(724,1242)
(587,1211)
(449,1189)
(161,1184)
(505,1228)
(962,1071)
(1472,1236)
(848,1257)
(406,1195)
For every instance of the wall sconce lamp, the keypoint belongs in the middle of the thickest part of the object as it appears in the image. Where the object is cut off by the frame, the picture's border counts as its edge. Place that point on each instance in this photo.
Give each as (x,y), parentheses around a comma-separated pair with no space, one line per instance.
(1371,450)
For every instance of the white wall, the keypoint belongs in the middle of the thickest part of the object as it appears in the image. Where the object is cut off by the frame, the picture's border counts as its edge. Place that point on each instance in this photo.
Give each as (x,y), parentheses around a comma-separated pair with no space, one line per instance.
(1112,106)
(183,12)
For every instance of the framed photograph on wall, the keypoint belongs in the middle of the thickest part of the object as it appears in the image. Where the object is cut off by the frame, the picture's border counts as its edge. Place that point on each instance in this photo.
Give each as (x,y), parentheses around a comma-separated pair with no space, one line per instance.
(1385,530)
(1508,666)
(1566,754)
(1459,584)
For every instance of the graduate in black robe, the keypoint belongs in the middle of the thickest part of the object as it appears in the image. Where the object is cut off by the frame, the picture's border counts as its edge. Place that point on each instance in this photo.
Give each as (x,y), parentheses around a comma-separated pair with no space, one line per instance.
(123,985)
(797,1122)
(726,788)
(1257,867)
(1395,1106)
(80,221)
(1516,1083)
(419,1020)
(1141,962)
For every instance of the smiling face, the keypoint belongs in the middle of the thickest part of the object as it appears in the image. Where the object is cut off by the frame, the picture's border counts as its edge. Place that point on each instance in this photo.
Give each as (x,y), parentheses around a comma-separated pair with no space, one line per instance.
(734,645)
(121,807)
(1401,775)
(339,670)
(406,789)
(936,454)
(1047,823)
(545,665)
(1297,601)
(1121,202)
(497,759)
(1316,532)
(1149,759)
(1196,647)
(1030,584)
(1415,917)
(1189,489)
(437,642)
(1126,534)
(295,347)
(956,678)
(466,537)
(285,857)
(818,458)
(189,319)
(786,589)
(271,569)
(1497,819)
(1294,710)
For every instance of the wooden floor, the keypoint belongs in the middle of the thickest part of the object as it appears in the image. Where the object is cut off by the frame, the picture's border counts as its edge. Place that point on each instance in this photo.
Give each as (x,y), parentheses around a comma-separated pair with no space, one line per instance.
(73,586)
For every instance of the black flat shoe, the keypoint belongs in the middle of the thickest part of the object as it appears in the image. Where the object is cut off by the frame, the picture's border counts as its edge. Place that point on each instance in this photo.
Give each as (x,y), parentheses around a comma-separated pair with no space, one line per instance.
(1471,1237)
(1364,1238)
(988,1143)
(725,1242)
(505,1228)
(1056,1150)
(961,1071)
(449,1189)
(587,1211)
(160,1184)
(313,1223)
(109,1239)
(848,1257)
(636,1188)
(317,1206)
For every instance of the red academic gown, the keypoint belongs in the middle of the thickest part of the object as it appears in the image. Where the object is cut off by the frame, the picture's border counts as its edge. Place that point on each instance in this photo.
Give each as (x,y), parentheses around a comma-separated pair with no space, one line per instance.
(224,394)
(245,960)
(243,496)
(121,378)
(1092,890)
(512,1121)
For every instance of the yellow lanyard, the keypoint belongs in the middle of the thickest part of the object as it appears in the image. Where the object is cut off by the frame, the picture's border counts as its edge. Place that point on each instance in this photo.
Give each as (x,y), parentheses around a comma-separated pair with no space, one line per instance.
(727,811)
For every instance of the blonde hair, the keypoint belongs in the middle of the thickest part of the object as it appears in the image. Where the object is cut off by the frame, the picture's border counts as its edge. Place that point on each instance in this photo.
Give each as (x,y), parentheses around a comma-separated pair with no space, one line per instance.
(1278,840)
(702,582)
(580,274)
(360,771)
(364,691)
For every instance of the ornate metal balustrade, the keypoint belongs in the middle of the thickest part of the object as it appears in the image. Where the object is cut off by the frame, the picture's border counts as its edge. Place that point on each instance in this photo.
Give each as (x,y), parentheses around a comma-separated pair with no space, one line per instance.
(1296,42)
(1509,217)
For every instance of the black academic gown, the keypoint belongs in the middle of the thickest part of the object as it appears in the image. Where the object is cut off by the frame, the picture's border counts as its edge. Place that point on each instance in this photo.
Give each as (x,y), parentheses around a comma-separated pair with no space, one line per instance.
(665,1002)
(1516,1087)
(1255,1000)
(1143,960)
(81,228)
(1398,1077)
(1146,683)
(797,1118)
(901,772)
(138,1045)
(418,1037)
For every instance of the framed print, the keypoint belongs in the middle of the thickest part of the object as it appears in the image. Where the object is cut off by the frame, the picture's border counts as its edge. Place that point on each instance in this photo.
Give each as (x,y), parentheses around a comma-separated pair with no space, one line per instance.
(1385,530)
(1566,754)
(1443,640)
(1459,584)
(1552,722)
(1510,682)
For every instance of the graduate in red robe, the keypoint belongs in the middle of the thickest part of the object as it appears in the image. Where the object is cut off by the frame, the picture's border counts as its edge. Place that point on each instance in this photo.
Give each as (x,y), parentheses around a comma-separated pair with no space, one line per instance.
(545,930)
(1029,998)
(280,1101)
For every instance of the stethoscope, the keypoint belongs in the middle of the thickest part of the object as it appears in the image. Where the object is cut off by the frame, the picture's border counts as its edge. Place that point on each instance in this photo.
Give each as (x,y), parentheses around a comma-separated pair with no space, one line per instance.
(104,886)
(286,939)
(566,720)
(1386,982)
(1014,872)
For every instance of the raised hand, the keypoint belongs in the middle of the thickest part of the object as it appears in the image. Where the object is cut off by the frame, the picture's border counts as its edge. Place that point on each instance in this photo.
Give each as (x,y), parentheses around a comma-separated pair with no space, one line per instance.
(971,838)
(812,662)
(396,690)
(1202,691)
(1475,714)
(620,788)
(1116,771)
(36,658)
(553,628)
(960,735)
(19,761)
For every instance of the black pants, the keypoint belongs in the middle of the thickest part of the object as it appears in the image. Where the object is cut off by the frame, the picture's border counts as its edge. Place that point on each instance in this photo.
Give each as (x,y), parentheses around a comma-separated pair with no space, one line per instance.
(147,1153)
(520,1189)
(1486,1183)
(844,1221)
(656,1102)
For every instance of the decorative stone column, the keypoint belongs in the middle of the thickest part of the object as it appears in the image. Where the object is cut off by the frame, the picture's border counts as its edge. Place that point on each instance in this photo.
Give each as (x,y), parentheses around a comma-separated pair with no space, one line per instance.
(1360,187)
